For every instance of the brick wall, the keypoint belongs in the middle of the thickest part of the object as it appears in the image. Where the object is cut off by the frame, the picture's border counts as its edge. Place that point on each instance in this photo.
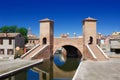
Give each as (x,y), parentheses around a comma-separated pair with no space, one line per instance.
(76,42)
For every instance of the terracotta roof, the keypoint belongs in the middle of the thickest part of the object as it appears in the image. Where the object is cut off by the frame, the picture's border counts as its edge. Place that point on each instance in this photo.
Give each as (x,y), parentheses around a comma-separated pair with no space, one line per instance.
(115,37)
(8,34)
(32,37)
(89,19)
(116,33)
(45,20)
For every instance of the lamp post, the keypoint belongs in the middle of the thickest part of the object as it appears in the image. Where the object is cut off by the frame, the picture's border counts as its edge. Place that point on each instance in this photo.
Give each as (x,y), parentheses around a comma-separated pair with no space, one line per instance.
(74,34)
(17,55)
(68,34)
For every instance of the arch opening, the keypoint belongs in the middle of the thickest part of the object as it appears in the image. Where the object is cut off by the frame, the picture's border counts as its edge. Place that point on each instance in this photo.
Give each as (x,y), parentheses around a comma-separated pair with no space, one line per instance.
(66,56)
(44,40)
(72,52)
(90,40)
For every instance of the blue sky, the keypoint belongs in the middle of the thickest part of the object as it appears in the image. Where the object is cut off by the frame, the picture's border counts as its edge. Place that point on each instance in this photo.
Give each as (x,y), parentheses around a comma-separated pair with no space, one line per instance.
(67,14)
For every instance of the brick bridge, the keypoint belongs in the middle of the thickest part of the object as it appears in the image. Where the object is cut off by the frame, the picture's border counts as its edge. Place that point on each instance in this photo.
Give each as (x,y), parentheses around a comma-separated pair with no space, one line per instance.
(71,45)
(84,46)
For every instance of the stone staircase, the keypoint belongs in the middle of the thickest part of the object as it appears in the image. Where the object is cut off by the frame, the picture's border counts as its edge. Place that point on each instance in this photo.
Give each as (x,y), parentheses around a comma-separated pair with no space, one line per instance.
(28,54)
(43,53)
(97,52)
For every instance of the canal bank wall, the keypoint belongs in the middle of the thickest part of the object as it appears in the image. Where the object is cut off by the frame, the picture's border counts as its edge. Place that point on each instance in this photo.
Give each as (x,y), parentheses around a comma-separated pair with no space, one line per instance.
(11,67)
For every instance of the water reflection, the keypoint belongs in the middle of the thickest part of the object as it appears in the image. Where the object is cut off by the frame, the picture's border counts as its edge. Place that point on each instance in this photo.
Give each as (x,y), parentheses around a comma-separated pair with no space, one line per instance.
(59,60)
(60,68)
(68,64)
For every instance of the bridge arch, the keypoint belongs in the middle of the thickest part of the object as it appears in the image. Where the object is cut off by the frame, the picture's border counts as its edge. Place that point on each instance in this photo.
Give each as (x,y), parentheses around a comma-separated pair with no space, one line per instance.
(70,50)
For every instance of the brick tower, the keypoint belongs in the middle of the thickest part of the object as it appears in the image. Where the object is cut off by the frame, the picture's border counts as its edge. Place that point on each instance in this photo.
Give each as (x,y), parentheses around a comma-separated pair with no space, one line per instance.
(89,35)
(89,31)
(47,32)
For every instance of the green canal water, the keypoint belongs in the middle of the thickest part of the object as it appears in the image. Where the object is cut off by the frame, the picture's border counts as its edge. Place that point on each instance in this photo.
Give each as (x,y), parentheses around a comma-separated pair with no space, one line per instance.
(58,68)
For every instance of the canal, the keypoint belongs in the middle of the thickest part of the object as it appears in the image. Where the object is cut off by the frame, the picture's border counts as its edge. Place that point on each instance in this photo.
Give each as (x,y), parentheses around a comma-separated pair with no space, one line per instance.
(58,68)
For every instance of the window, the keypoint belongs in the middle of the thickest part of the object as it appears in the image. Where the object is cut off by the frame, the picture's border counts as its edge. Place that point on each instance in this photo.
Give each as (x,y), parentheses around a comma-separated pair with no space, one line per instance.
(1,41)
(19,35)
(33,42)
(1,51)
(30,41)
(10,51)
(10,41)
(44,41)
(44,76)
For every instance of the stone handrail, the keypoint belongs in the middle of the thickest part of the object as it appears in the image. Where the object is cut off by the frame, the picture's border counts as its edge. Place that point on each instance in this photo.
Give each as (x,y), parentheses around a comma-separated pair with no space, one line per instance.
(91,52)
(102,52)
(30,50)
(70,37)
(39,51)
(77,71)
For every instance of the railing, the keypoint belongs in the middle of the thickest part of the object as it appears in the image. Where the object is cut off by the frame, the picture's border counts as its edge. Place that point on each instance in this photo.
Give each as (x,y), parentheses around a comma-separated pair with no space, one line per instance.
(77,72)
(70,37)
(30,51)
(91,52)
(39,51)
(102,52)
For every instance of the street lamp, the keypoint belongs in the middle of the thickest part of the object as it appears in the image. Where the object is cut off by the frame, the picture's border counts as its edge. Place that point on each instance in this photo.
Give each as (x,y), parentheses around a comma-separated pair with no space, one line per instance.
(74,34)
(68,34)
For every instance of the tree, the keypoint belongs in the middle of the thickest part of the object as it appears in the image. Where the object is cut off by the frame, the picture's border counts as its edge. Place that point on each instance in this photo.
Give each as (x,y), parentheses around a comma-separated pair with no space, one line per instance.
(14,29)
(8,29)
(4,29)
(23,31)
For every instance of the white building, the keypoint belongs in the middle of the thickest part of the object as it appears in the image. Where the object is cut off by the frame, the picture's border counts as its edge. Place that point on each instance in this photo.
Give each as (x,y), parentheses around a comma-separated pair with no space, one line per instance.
(115,43)
(116,33)
(8,43)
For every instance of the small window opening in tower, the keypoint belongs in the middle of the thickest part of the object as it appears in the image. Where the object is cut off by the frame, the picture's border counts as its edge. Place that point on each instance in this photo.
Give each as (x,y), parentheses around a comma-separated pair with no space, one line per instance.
(44,41)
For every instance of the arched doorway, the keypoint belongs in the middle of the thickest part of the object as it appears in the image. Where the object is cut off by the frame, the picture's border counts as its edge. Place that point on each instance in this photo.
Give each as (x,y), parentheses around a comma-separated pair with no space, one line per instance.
(44,41)
(90,40)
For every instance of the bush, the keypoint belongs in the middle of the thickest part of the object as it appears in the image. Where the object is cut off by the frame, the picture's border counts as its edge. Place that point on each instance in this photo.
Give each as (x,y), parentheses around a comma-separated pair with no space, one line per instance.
(18,53)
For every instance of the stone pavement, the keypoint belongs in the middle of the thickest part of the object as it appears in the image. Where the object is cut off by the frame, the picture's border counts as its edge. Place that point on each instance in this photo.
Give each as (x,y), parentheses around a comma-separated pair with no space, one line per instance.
(10,66)
(99,70)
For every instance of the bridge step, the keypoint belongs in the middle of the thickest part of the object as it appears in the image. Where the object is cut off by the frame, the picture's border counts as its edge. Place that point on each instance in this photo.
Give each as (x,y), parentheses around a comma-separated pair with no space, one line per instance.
(38,52)
(98,54)
(28,55)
